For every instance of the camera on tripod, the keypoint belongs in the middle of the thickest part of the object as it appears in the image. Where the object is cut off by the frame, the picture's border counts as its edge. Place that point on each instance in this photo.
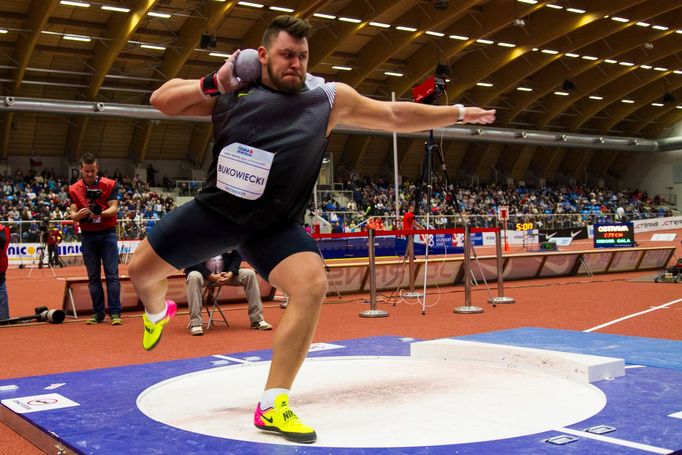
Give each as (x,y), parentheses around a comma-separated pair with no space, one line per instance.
(92,194)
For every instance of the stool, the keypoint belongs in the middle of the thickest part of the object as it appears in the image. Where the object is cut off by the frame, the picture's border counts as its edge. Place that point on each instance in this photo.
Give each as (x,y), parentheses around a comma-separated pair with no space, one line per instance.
(210,298)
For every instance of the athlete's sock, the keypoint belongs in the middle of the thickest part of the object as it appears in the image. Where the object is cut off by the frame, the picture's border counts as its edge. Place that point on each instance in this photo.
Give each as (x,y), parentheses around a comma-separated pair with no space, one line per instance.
(156,317)
(267,400)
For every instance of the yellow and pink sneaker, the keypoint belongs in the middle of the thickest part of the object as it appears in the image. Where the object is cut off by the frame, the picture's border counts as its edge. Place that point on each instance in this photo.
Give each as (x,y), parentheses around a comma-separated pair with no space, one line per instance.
(153,331)
(281,419)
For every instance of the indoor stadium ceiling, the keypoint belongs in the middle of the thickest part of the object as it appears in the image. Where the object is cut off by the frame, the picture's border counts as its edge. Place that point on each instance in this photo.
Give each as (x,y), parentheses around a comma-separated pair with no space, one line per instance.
(599,67)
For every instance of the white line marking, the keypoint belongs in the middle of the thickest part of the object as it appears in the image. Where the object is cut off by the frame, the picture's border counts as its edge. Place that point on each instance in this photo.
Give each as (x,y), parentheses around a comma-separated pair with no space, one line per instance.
(620,442)
(615,321)
(233,359)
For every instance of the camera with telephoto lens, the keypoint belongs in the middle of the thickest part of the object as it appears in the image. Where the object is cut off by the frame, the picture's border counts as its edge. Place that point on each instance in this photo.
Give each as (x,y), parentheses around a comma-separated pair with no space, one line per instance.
(92,194)
(44,315)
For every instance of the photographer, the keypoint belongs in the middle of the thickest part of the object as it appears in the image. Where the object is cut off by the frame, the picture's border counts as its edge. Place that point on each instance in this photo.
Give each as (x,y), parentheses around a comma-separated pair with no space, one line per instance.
(54,238)
(93,205)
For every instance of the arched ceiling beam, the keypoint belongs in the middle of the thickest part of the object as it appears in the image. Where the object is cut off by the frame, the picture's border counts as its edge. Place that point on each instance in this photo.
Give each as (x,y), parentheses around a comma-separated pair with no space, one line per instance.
(328,39)
(489,158)
(650,93)
(454,153)
(547,25)
(39,12)
(612,82)
(355,149)
(521,162)
(189,35)
(119,30)
(553,75)
(514,73)
(388,43)
(669,117)
(601,163)
(548,162)
(494,15)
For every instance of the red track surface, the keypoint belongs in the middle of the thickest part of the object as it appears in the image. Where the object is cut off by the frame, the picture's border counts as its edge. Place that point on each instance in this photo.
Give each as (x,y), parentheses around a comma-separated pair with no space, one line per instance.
(575,303)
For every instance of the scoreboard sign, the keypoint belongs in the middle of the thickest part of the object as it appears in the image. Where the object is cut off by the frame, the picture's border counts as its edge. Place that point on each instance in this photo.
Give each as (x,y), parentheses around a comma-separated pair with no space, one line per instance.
(614,235)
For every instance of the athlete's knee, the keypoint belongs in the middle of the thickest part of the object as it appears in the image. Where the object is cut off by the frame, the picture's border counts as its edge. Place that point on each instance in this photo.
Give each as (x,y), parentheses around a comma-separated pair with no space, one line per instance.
(315,286)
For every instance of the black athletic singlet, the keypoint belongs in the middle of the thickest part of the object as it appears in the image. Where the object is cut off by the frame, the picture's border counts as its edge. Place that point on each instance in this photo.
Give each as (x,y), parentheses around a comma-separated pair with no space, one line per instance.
(293,128)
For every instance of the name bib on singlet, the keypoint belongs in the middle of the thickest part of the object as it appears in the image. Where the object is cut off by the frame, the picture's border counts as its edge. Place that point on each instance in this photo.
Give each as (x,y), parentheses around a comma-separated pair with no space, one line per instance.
(243,170)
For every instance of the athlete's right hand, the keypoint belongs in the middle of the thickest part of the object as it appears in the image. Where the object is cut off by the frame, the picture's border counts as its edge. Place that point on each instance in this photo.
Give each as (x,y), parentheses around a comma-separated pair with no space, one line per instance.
(227,80)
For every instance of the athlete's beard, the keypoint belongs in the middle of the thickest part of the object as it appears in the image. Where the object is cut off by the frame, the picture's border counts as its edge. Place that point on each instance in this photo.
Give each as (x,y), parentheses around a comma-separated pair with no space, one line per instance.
(281,85)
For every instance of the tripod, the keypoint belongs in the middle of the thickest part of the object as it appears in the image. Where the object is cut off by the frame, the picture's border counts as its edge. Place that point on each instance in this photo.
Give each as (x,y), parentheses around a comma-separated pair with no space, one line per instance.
(41,257)
(430,148)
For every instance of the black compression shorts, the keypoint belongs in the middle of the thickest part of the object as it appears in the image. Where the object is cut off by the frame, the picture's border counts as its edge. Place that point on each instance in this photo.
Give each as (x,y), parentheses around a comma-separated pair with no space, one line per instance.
(192,234)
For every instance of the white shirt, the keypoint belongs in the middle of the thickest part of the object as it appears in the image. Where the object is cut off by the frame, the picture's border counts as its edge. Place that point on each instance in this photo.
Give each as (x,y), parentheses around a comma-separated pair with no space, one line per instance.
(215,264)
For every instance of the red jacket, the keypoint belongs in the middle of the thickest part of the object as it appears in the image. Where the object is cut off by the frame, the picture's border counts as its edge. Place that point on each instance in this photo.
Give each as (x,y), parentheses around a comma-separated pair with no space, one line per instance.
(77,193)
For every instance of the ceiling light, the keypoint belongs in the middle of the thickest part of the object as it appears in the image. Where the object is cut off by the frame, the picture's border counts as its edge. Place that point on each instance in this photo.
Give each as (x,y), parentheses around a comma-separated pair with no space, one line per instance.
(572,55)
(524,89)
(645,67)
(660,27)
(459,37)
(161,15)
(394,74)
(620,19)
(152,46)
(342,68)
(677,72)
(589,57)
(484,41)
(518,22)
(549,51)
(73,3)
(350,19)
(438,34)
(643,24)
(250,4)
(484,84)
(535,49)
(3,31)
(118,9)
(379,24)
(627,101)
(678,107)
(608,60)
(678,31)
(660,68)
(576,10)
(553,6)
(562,93)
(85,39)
(406,29)
(324,16)
(657,104)
(282,9)
(503,44)
(530,2)
(596,97)
(219,54)
(626,63)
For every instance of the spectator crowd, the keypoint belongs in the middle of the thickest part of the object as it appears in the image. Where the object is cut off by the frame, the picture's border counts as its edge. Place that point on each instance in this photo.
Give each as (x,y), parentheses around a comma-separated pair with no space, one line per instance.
(40,198)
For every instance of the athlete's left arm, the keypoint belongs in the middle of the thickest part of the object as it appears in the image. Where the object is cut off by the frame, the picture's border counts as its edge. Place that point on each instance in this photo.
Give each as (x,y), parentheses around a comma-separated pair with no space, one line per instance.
(351,108)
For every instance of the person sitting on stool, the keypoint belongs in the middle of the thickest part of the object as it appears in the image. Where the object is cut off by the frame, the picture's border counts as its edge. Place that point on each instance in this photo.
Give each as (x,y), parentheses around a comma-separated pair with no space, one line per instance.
(223,270)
